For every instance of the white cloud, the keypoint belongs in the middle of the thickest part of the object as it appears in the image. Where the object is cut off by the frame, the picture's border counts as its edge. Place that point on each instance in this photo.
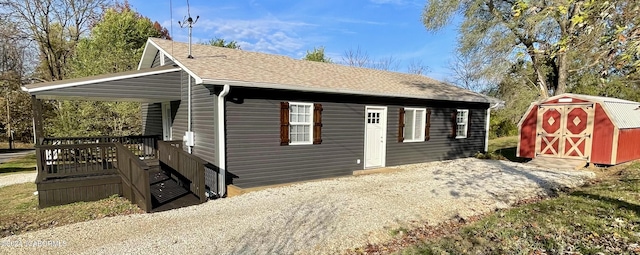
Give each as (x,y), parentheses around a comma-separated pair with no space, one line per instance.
(264,35)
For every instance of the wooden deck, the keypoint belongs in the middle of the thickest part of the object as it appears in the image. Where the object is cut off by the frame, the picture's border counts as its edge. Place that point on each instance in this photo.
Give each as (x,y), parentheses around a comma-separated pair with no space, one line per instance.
(153,174)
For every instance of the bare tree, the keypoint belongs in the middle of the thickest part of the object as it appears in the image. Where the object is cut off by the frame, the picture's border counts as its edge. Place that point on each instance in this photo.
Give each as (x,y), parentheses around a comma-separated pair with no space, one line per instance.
(55,26)
(467,71)
(387,64)
(416,67)
(357,57)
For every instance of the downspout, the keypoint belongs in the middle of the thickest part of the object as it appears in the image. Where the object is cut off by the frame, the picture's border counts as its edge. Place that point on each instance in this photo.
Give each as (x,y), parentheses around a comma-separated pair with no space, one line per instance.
(222,160)
(188,136)
(486,138)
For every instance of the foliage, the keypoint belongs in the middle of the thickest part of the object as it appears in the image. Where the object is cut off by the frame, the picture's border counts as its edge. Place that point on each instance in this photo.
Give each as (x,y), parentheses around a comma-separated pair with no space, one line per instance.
(600,218)
(518,91)
(219,42)
(15,106)
(19,212)
(115,44)
(55,26)
(317,54)
(557,38)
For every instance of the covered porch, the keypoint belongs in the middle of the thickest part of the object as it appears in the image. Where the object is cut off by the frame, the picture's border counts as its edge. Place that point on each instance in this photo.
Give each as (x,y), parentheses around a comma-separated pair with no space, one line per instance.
(149,169)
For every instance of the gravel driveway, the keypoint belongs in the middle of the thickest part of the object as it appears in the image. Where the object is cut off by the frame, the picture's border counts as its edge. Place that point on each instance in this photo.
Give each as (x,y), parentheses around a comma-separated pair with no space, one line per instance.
(316,217)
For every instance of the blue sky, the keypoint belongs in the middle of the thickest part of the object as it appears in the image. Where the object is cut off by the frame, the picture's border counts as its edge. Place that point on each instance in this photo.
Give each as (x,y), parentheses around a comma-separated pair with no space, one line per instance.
(382,28)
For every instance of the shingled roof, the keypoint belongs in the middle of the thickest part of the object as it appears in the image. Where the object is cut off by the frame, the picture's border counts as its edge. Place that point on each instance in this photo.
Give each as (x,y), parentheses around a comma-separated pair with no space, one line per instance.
(217,65)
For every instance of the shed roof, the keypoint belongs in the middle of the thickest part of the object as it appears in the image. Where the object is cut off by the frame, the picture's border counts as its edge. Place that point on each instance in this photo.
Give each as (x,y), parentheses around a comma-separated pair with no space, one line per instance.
(623,113)
(217,65)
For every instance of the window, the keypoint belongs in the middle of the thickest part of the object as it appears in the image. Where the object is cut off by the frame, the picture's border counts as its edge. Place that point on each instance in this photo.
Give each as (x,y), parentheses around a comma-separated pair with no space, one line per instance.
(462,122)
(414,124)
(300,123)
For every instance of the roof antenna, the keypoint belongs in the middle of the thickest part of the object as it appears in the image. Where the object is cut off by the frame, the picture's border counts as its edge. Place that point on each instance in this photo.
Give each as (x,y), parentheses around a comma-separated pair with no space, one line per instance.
(188,22)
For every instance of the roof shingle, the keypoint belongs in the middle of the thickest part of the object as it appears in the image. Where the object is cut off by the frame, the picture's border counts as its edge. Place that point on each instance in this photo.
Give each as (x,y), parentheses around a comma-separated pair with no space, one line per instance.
(218,65)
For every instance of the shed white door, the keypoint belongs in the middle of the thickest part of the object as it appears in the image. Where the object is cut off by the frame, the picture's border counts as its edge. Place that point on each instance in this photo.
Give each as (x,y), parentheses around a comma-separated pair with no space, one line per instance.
(375,137)
(565,130)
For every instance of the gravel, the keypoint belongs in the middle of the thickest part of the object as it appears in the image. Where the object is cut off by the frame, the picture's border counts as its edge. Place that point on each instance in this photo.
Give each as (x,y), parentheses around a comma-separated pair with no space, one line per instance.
(11,179)
(321,217)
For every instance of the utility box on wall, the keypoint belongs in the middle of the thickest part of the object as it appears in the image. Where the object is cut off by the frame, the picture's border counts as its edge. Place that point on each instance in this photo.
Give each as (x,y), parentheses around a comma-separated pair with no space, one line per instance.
(189,138)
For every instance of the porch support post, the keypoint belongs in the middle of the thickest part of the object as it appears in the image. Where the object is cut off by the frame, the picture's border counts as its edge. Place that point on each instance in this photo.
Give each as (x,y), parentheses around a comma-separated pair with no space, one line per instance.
(36,104)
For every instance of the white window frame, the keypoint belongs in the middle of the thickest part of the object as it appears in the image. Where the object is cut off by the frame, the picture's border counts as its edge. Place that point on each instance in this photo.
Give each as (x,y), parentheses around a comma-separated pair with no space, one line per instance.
(465,123)
(422,124)
(310,124)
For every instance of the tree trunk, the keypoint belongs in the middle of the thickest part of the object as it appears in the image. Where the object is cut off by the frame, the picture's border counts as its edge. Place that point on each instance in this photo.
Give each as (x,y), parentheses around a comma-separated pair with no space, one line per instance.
(540,77)
(563,72)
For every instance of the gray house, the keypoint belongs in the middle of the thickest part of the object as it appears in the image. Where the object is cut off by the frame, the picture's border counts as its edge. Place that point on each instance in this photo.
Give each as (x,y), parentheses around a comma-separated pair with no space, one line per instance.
(265,119)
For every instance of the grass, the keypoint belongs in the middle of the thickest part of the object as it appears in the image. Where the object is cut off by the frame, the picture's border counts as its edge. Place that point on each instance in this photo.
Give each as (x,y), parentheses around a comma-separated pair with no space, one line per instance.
(601,217)
(4,146)
(21,164)
(19,211)
(503,148)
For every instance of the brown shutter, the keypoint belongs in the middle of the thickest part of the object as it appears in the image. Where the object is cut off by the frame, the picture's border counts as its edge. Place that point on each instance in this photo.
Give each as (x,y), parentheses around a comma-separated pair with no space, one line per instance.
(317,123)
(284,123)
(401,125)
(454,123)
(427,126)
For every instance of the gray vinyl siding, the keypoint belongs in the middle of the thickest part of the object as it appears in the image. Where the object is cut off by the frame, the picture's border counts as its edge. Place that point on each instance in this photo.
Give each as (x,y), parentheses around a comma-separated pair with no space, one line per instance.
(256,158)
(151,118)
(179,125)
(441,146)
(202,115)
(156,60)
(151,88)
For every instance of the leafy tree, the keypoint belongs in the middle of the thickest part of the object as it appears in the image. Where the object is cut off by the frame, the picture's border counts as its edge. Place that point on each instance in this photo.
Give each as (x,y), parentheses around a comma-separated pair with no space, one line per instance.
(317,54)
(15,106)
(219,42)
(55,26)
(115,44)
(553,35)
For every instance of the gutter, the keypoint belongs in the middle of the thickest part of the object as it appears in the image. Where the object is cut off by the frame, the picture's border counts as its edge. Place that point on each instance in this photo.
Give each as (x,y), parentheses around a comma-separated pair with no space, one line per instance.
(468,98)
(222,160)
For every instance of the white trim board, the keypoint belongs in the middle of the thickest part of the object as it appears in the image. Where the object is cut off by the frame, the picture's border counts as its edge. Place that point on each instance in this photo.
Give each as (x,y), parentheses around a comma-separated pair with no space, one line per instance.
(99,80)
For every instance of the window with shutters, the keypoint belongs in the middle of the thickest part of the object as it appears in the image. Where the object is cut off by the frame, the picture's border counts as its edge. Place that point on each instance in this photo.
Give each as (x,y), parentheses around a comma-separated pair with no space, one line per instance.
(300,123)
(414,124)
(462,122)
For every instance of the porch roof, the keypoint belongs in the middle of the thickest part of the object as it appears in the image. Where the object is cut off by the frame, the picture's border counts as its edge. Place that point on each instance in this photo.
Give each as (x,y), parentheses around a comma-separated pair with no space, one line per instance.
(147,85)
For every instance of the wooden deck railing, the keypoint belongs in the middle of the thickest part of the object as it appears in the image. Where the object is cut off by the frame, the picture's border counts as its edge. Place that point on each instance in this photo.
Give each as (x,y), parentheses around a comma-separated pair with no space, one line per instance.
(189,166)
(71,160)
(135,177)
(141,146)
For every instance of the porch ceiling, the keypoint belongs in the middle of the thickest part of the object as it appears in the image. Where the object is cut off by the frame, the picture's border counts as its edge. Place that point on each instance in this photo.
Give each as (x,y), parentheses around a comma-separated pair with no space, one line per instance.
(147,85)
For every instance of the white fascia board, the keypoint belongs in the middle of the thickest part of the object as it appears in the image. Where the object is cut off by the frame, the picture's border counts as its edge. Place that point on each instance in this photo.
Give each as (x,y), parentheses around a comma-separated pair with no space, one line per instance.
(197,79)
(320,90)
(144,53)
(114,78)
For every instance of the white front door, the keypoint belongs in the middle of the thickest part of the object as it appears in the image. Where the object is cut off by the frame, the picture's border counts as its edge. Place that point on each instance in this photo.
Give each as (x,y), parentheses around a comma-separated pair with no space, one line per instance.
(166,121)
(375,137)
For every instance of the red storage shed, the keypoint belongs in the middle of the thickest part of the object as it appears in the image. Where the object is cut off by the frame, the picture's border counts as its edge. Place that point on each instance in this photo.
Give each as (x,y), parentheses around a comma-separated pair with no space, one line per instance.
(601,130)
